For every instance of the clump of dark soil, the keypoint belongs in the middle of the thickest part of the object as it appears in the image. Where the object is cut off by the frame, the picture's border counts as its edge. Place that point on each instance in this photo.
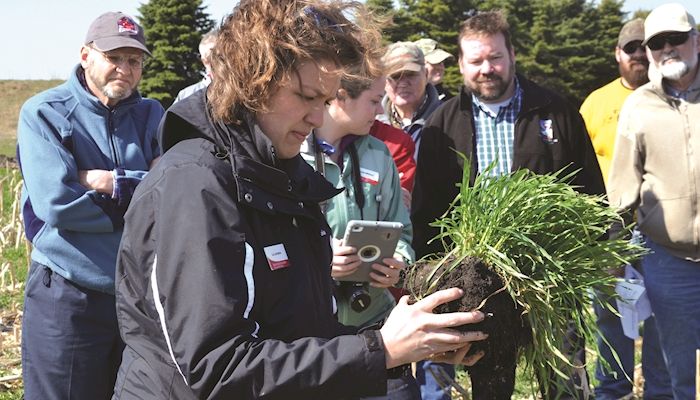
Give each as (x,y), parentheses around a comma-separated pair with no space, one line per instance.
(493,377)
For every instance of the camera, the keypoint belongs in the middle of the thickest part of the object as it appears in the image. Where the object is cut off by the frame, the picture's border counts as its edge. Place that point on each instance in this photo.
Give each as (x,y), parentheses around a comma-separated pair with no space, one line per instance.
(357,294)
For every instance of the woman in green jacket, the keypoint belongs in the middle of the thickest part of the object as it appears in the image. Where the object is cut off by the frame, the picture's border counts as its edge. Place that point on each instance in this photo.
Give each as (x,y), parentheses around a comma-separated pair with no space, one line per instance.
(350,158)
(344,152)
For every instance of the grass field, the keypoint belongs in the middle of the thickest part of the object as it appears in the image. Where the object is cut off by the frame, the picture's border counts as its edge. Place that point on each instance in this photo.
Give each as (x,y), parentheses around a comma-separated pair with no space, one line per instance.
(13,248)
(14,252)
(13,93)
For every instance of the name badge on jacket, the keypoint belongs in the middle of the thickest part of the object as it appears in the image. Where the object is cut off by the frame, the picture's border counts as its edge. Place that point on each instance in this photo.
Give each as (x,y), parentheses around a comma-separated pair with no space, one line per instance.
(277,256)
(547,132)
(369,176)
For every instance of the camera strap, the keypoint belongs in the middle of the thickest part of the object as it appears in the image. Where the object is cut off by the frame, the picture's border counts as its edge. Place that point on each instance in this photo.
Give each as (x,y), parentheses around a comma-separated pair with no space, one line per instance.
(356,177)
(320,166)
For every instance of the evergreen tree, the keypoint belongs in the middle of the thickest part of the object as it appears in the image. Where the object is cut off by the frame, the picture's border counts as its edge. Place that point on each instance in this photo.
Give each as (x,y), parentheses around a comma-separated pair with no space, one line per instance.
(173,30)
(438,20)
(566,45)
(395,19)
(383,7)
(609,20)
(559,46)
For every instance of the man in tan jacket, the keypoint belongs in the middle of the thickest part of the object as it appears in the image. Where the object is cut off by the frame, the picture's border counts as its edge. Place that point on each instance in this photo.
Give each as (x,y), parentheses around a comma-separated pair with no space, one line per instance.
(656,172)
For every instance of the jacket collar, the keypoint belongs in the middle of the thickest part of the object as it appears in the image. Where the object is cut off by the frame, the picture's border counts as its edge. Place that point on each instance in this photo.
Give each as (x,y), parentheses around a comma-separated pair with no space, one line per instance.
(254,163)
(293,179)
(431,101)
(78,87)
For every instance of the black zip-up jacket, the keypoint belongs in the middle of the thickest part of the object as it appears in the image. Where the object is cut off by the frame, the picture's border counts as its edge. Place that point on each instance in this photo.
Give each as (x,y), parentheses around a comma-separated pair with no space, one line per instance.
(451,127)
(223,279)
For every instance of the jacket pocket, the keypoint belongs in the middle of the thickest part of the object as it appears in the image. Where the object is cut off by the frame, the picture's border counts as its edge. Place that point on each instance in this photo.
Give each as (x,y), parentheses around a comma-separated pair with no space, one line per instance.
(668,222)
(538,161)
(37,239)
(133,380)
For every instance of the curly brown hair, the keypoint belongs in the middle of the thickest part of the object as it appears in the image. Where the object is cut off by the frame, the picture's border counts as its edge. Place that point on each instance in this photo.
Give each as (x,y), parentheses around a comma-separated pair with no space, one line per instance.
(262,43)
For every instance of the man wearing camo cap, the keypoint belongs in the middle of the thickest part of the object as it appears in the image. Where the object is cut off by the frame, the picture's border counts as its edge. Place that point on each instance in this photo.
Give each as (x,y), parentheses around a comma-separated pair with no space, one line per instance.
(435,59)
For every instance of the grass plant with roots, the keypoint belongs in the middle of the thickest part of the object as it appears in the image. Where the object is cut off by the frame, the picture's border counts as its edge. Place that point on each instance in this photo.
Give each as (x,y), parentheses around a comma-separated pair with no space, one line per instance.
(546,245)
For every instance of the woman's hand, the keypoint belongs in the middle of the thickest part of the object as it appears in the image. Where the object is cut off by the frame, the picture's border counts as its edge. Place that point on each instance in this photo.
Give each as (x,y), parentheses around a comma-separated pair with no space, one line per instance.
(387,274)
(345,259)
(413,333)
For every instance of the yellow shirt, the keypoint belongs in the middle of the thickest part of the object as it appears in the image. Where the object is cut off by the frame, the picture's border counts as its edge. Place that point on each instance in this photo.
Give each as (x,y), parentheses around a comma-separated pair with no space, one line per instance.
(600,111)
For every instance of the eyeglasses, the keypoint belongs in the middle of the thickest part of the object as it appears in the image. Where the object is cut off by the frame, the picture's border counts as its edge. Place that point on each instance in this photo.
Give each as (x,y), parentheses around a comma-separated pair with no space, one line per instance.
(395,78)
(133,61)
(674,39)
(632,47)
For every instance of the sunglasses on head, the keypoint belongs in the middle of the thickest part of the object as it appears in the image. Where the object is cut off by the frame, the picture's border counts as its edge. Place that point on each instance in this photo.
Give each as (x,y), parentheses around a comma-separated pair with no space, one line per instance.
(632,47)
(321,20)
(674,39)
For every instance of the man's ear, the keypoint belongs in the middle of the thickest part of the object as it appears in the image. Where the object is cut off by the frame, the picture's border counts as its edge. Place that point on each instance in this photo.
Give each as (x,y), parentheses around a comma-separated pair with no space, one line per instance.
(84,51)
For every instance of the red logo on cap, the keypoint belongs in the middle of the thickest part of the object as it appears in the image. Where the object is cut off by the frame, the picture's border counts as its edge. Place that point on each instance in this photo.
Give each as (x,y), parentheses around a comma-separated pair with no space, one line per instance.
(127,25)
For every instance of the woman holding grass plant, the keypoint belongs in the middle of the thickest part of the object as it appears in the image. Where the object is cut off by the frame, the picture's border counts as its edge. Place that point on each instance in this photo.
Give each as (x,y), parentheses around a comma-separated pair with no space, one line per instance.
(223,279)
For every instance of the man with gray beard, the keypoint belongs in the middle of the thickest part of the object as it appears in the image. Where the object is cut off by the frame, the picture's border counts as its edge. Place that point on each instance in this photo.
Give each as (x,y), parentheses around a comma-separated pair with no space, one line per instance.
(83,147)
(600,110)
(655,174)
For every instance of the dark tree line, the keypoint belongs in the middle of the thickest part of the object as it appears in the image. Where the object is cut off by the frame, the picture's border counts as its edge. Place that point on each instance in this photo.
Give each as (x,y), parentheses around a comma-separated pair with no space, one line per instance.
(566,45)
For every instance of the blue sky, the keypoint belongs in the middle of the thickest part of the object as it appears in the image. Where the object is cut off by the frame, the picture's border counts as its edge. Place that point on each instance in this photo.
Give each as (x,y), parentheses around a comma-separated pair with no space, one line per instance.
(42,37)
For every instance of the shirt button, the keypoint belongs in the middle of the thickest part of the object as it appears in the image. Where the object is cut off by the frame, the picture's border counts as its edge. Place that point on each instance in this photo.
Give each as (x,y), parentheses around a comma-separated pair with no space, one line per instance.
(248,197)
(269,205)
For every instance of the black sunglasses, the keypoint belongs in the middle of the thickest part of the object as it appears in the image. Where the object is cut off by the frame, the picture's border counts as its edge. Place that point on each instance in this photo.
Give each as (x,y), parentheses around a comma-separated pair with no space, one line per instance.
(633,46)
(674,39)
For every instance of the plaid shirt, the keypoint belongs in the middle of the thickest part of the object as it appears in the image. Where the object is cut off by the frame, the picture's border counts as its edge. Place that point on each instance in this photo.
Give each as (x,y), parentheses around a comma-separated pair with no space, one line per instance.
(494,133)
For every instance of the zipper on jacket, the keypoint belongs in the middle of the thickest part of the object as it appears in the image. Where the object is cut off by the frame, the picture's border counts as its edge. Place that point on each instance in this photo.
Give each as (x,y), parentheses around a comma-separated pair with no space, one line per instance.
(110,137)
(682,109)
